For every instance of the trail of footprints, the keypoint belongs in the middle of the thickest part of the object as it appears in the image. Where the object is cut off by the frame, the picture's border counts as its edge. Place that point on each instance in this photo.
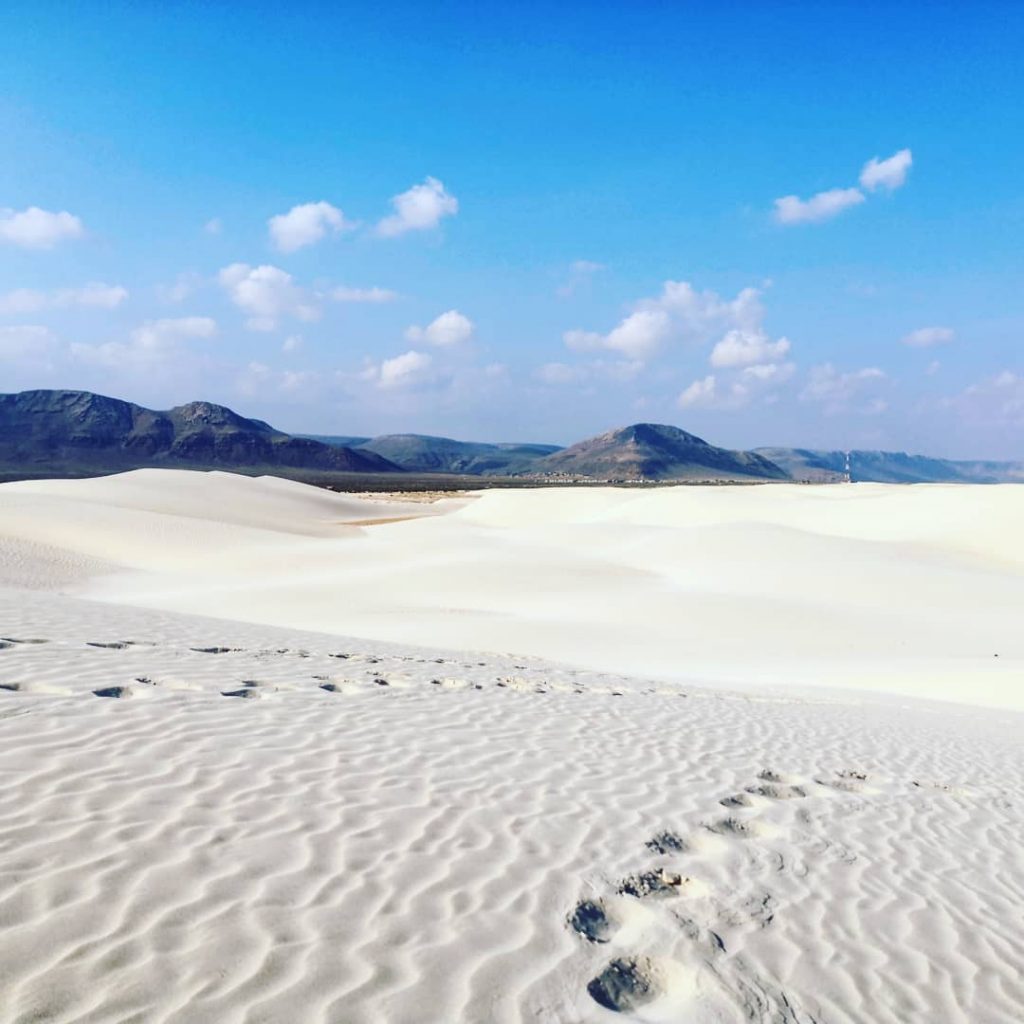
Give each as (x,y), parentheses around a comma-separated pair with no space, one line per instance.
(362,672)
(663,899)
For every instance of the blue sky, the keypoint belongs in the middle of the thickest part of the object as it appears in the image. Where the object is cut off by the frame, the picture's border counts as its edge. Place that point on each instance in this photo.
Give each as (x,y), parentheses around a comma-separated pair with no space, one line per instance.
(528,221)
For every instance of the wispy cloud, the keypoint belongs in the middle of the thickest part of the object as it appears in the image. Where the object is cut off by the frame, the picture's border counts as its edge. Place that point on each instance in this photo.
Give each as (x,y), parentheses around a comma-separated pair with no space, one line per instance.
(926,337)
(823,206)
(94,295)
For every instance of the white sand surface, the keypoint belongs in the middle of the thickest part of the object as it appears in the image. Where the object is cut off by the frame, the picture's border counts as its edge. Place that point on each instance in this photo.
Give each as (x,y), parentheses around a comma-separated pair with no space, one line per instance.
(913,590)
(230,819)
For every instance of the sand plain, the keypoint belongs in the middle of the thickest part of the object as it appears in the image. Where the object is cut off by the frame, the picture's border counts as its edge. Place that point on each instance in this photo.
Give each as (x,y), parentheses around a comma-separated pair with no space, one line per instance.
(756,755)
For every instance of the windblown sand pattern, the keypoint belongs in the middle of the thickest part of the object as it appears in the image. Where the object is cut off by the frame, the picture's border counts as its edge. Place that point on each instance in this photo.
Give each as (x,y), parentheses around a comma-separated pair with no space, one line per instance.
(206,820)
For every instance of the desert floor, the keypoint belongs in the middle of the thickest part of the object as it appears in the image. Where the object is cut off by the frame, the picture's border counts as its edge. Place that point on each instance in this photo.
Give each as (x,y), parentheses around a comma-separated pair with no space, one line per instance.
(756,754)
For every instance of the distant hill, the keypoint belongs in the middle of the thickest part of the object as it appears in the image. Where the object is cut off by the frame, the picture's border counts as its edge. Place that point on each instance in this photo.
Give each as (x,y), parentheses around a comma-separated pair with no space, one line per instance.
(420,453)
(78,433)
(651,451)
(888,467)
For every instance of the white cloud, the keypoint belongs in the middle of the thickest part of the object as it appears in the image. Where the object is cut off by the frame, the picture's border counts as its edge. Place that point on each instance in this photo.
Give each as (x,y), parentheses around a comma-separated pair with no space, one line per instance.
(214,226)
(404,370)
(292,343)
(836,390)
(265,293)
(699,393)
(418,209)
(742,347)
(34,228)
(26,344)
(637,336)
(925,337)
(90,296)
(678,313)
(373,295)
(823,206)
(451,328)
(155,343)
(932,368)
(305,224)
(775,373)
(888,174)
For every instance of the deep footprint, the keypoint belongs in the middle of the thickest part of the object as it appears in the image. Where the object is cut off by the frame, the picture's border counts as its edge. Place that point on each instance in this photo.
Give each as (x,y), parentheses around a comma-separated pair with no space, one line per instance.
(651,883)
(624,985)
(590,920)
(666,842)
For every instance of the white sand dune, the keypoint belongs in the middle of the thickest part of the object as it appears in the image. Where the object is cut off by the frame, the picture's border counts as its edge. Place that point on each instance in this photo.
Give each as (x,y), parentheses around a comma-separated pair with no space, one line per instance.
(226,818)
(913,590)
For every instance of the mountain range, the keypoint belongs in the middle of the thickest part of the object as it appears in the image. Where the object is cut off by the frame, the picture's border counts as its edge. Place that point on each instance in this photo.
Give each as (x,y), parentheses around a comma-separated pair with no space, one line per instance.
(78,433)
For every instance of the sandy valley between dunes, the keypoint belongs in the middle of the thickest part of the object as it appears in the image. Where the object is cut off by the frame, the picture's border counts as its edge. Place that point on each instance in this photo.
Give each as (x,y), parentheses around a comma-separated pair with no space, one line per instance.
(273,754)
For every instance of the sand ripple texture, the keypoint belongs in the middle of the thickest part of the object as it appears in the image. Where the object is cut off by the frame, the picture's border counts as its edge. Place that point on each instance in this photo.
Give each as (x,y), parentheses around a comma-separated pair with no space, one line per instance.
(209,822)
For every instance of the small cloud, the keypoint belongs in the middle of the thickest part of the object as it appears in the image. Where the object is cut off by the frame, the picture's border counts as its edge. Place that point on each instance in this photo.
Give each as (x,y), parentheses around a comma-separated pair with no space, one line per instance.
(292,343)
(214,226)
(820,207)
(403,370)
(741,348)
(34,228)
(889,174)
(926,337)
(451,328)
(775,373)
(700,392)
(265,293)
(932,368)
(372,295)
(420,208)
(303,225)
(637,336)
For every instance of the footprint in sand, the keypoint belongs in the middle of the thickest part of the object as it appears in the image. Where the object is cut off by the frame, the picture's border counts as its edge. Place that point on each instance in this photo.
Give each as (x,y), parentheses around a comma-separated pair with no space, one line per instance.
(117,692)
(625,984)
(212,650)
(6,641)
(657,883)
(113,645)
(590,919)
